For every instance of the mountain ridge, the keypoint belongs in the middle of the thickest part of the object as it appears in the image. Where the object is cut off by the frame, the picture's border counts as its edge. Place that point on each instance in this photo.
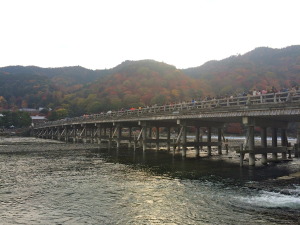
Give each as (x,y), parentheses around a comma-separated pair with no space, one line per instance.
(137,83)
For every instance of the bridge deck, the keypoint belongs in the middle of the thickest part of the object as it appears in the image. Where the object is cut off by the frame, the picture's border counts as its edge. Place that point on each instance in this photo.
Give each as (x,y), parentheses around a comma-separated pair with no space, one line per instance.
(283,106)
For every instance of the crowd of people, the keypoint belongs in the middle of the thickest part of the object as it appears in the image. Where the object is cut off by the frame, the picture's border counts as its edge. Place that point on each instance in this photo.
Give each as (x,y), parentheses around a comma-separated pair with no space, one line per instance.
(253,92)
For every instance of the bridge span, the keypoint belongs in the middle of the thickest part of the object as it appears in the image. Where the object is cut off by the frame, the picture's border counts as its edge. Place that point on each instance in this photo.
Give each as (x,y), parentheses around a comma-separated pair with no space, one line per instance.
(169,125)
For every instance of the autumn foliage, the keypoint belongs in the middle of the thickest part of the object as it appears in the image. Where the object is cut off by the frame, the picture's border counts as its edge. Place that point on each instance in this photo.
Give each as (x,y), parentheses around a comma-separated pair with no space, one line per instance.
(74,91)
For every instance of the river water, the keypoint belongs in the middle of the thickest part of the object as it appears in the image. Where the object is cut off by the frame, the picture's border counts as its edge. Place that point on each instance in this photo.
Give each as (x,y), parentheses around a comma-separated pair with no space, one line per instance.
(53,183)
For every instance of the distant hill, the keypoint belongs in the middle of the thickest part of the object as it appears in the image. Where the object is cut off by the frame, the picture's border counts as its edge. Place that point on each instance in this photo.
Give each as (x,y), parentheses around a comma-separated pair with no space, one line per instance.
(76,90)
(261,68)
(26,90)
(64,77)
(137,83)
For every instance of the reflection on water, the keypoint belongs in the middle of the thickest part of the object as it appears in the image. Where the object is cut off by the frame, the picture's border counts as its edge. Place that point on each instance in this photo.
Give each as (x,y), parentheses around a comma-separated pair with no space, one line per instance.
(95,186)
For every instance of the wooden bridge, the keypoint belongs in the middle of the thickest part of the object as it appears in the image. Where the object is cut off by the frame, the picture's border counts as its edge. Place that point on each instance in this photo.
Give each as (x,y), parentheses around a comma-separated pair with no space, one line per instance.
(168,125)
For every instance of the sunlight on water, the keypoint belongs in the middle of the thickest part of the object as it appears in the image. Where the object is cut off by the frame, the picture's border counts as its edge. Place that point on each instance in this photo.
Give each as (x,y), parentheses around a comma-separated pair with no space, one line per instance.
(44,184)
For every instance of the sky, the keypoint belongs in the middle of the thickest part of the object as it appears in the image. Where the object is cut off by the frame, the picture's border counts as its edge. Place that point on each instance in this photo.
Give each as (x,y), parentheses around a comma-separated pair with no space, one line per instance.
(100,34)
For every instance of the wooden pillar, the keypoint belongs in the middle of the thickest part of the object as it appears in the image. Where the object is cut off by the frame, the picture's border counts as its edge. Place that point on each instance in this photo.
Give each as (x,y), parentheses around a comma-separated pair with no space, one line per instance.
(58,134)
(184,141)
(157,138)
(179,143)
(197,142)
(200,139)
(92,134)
(98,134)
(283,142)
(130,136)
(168,138)
(274,142)
(298,135)
(220,141)
(209,141)
(109,136)
(150,135)
(264,156)
(119,135)
(52,133)
(74,134)
(251,145)
(66,134)
(84,134)
(144,135)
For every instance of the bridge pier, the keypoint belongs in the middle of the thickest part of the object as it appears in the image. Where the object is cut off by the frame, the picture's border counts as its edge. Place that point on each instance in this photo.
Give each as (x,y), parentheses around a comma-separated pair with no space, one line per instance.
(110,136)
(66,134)
(284,142)
(220,140)
(144,136)
(209,141)
(251,146)
(119,135)
(274,142)
(157,137)
(74,134)
(184,141)
(168,138)
(197,140)
(130,137)
(264,144)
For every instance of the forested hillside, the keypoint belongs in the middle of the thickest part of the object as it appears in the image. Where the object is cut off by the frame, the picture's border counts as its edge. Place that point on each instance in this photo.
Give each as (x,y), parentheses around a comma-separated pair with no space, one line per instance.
(25,90)
(260,68)
(73,91)
(134,84)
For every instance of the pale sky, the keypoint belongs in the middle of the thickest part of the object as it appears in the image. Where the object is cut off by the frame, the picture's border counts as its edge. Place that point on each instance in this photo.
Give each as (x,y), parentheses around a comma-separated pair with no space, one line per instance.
(99,34)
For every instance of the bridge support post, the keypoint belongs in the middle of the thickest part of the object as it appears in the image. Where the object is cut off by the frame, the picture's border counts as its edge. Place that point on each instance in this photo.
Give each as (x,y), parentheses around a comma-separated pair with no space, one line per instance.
(184,141)
(200,140)
(84,134)
(220,141)
(74,134)
(130,137)
(197,140)
(274,142)
(298,143)
(58,134)
(98,134)
(144,135)
(209,141)
(119,135)
(66,134)
(251,146)
(157,138)
(94,134)
(168,138)
(110,137)
(264,156)
(149,135)
(52,133)
(284,142)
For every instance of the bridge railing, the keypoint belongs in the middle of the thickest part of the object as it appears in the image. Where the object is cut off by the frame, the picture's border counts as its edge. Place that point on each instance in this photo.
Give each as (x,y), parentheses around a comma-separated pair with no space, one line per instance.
(173,109)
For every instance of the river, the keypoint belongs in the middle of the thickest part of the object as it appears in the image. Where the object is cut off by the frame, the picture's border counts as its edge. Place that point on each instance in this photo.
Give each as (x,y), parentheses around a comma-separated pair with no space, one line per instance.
(54,183)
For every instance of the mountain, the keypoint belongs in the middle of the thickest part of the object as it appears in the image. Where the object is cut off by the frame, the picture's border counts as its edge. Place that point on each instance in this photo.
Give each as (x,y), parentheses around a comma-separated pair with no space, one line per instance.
(135,84)
(76,90)
(26,90)
(261,68)
(64,77)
